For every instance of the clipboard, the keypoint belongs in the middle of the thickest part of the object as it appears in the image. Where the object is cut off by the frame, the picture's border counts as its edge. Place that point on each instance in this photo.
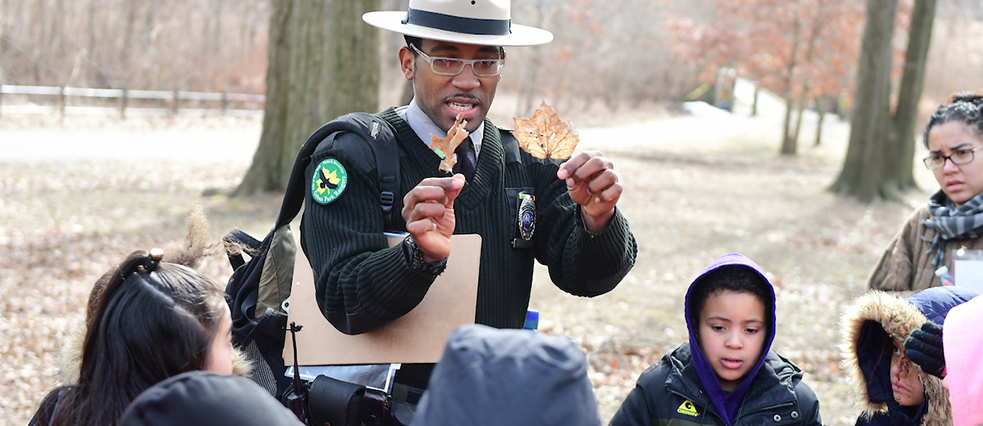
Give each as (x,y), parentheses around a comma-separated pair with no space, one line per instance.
(417,337)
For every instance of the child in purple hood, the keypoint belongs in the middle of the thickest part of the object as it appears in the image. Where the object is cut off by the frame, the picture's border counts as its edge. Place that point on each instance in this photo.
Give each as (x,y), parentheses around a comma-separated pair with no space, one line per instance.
(726,374)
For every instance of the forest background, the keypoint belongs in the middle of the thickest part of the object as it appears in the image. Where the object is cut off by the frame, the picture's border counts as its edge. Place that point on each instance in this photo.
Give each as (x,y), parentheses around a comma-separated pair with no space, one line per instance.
(619,69)
(614,54)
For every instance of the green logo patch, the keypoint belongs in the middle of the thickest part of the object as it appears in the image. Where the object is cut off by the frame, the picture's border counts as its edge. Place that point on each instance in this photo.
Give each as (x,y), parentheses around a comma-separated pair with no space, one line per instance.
(329,181)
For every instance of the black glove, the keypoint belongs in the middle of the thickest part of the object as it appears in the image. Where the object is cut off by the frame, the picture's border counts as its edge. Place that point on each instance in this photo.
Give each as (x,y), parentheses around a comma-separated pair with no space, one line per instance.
(924,347)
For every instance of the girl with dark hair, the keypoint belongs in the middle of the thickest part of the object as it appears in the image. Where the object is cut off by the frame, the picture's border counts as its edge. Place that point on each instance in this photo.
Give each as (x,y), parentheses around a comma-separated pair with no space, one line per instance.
(150,320)
(920,255)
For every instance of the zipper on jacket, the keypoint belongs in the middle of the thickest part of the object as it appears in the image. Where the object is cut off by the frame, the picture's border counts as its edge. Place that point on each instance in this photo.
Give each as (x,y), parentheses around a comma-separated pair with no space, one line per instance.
(770,408)
(740,414)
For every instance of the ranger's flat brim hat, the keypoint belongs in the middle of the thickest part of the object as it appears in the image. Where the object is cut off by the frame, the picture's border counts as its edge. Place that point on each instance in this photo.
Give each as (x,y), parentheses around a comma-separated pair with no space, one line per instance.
(480,22)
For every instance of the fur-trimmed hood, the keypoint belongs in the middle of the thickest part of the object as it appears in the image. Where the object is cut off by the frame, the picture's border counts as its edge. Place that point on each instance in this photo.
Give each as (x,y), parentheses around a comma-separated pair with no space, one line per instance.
(877,314)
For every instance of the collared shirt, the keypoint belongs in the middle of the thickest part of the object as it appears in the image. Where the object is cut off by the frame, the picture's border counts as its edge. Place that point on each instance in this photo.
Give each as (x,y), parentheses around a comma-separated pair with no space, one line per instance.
(424,127)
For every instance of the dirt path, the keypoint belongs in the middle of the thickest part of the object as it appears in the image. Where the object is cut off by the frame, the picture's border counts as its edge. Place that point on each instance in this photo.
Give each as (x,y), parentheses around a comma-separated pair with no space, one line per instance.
(76,196)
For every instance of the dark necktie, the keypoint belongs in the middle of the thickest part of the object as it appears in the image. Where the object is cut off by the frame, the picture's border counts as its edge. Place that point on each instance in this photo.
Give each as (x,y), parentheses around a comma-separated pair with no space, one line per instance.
(465,159)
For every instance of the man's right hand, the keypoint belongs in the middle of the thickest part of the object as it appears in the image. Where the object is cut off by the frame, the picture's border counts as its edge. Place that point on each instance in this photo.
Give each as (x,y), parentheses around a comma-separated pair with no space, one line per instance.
(428,210)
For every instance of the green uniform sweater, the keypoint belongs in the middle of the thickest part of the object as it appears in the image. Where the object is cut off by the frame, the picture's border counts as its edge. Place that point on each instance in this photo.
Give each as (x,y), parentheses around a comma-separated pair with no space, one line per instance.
(363,284)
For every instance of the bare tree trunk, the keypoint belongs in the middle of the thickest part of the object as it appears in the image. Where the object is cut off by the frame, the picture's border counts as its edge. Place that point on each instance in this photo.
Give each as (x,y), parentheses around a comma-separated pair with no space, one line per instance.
(810,52)
(788,143)
(754,105)
(217,35)
(41,54)
(861,173)
(131,17)
(324,62)
(4,17)
(801,107)
(57,26)
(821,103)
(902,142)
(528,92)
(91,48)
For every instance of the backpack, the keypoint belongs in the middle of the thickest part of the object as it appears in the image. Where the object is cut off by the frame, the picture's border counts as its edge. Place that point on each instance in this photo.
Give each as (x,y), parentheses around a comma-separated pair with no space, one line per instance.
(259,288)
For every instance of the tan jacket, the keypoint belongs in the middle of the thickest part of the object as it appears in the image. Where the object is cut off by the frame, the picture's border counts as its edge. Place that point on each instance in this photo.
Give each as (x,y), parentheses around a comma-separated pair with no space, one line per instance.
(906,264)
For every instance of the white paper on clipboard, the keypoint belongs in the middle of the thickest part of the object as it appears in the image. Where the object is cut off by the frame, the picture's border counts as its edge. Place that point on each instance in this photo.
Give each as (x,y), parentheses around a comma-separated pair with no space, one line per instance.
(967,268)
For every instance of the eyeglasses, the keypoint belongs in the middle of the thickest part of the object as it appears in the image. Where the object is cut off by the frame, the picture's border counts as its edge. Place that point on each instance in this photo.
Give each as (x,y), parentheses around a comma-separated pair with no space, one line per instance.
(958,157)
(454,66)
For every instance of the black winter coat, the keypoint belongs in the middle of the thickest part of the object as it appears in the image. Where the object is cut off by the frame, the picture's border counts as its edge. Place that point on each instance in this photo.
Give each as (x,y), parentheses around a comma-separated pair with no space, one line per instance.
(669,393)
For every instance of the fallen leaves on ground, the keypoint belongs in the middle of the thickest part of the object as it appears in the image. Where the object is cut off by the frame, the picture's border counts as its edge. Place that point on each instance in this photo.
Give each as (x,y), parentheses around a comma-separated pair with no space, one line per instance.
(63,225)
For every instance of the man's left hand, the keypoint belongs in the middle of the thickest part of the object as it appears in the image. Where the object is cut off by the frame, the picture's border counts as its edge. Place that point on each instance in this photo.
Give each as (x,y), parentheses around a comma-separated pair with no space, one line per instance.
(592,183)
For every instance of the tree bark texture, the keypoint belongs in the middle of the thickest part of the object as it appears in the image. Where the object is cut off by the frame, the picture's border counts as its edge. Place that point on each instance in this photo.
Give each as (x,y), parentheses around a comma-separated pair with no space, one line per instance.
(754,105)
(861,173)
(813,35)
(899,171)
(789,146)
(324,62)
(821,104)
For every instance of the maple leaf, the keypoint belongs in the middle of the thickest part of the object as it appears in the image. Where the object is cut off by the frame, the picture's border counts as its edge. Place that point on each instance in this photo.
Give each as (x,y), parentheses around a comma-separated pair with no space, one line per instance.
(545,135)
(445,147)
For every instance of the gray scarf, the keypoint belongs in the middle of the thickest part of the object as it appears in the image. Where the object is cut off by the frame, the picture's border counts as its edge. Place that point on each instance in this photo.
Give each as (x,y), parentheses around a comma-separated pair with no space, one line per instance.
(949,221)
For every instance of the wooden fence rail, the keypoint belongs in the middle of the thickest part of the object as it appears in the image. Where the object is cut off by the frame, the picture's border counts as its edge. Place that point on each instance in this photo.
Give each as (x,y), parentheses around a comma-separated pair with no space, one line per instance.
(173,98)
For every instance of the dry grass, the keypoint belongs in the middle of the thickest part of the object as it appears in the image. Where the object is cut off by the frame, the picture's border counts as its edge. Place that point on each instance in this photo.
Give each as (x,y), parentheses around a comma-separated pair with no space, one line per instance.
(694,189)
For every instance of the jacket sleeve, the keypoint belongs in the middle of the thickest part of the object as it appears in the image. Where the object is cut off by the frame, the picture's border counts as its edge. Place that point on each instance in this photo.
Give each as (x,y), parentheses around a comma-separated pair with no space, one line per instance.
(894,270)
(636,409)
(580,263)
(808,404)
(361,283)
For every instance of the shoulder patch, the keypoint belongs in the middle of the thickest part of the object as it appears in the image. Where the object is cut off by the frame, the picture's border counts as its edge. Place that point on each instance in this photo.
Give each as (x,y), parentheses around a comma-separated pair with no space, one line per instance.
(687,408)
(329,180)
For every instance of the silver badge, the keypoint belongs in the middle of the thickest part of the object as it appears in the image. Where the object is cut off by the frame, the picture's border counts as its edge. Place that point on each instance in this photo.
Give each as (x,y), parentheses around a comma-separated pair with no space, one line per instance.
(527,216)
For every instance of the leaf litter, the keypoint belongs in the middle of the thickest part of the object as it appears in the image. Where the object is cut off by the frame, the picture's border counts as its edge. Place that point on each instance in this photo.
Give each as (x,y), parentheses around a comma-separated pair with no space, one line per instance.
(62,225)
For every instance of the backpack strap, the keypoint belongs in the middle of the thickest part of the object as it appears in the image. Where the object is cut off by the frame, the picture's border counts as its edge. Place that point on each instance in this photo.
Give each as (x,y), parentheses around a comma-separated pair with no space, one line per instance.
(511,146)
(384,146)
(381,140)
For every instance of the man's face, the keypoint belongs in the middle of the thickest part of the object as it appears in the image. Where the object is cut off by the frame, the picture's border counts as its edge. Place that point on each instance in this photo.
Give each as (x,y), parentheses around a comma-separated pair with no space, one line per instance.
(443,97)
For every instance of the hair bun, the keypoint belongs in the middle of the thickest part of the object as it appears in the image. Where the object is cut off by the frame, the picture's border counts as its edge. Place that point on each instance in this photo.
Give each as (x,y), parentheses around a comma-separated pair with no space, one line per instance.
(969,97)
(154,258)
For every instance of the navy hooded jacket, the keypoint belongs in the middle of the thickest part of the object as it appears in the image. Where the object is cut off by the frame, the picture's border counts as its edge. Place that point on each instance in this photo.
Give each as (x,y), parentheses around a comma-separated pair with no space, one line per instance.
(683,389)
(866,324)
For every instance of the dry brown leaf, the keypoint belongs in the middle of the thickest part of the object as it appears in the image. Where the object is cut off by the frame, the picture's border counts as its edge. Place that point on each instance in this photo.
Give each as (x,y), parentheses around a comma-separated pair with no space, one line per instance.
(445,147)
(545,135)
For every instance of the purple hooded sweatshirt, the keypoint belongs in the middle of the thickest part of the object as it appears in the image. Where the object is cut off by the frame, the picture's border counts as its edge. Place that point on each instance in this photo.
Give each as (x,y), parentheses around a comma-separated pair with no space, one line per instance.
(727,404)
